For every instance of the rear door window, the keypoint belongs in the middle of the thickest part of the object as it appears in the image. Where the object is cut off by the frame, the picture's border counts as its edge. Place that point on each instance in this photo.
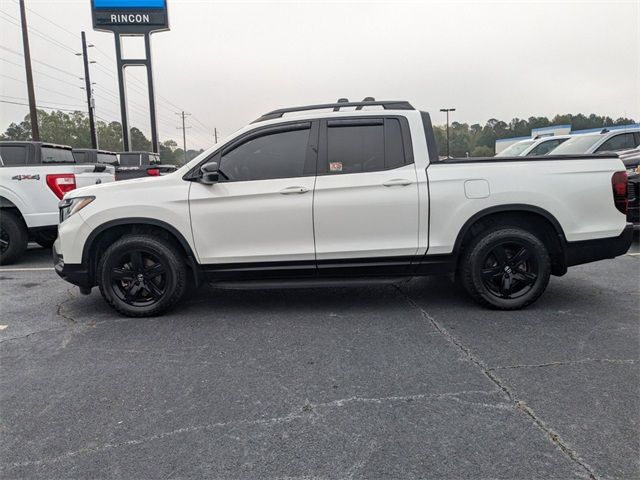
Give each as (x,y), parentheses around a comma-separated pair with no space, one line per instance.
(364,145)
(619,142)
(13,154)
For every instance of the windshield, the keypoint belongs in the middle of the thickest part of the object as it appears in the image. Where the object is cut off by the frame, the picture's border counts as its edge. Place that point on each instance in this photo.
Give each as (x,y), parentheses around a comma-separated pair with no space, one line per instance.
(56,155)
(515,149)
(576,145)
(109,158)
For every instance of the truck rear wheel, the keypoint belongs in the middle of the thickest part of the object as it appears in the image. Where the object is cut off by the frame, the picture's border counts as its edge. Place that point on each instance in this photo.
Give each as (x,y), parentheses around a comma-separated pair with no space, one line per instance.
(506,268)
(13,237)
(142,276)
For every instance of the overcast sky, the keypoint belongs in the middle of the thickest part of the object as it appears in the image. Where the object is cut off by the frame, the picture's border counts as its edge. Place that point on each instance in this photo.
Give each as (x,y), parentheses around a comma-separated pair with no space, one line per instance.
(227,63)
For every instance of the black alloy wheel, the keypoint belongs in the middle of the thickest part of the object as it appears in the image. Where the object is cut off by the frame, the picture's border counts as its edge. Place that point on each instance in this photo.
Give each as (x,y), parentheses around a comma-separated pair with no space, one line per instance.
(142,275)
(138,278)
(509,270)
(505,267)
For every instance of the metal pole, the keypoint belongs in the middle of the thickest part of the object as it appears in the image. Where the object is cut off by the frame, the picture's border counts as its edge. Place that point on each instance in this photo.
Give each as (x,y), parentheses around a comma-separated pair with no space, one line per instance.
(152,100)
(184,138)
(33,113)
(126,143)
(215,134)
(87,84)
(448,156)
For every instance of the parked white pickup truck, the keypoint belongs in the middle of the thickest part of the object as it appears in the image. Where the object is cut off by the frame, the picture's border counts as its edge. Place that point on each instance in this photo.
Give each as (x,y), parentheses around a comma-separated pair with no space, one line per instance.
(34,176)
(306,196)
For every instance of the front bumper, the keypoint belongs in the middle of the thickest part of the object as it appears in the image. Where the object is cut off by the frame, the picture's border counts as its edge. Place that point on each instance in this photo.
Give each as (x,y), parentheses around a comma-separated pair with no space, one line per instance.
(587,251)
(76,274)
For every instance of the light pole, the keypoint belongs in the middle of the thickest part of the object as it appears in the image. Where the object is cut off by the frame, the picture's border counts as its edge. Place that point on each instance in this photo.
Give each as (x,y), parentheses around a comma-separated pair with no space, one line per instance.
(447,110)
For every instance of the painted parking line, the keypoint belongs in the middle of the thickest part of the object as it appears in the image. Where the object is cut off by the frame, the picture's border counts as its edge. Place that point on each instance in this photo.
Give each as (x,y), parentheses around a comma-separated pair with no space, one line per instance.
(32,269)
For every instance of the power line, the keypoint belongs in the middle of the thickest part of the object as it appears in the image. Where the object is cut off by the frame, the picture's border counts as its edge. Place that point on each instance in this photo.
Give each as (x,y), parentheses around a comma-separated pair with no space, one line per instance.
(12,20)
(41,106)
(41,88)
(39,62)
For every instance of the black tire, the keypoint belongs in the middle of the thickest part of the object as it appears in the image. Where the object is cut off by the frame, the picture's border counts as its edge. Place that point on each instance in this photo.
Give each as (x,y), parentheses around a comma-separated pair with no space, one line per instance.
(142,276)
(45,238)
(505,268)
(13,237)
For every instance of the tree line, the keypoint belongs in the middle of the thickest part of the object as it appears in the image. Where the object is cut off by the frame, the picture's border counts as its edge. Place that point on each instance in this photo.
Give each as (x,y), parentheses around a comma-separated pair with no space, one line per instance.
(479,141)
(73,129)
(465,140)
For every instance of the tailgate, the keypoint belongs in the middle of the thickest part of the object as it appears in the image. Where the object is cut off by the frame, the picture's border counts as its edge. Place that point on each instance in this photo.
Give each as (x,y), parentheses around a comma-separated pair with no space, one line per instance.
(92,174)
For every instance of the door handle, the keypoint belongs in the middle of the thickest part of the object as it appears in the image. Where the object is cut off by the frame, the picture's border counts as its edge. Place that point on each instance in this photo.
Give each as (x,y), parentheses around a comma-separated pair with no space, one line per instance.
(294,190)
(397,182)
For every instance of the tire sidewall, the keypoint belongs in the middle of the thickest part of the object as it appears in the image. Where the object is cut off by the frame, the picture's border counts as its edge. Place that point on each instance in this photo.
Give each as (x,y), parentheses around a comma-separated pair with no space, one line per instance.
(489,241)
(174,268)
(18,237)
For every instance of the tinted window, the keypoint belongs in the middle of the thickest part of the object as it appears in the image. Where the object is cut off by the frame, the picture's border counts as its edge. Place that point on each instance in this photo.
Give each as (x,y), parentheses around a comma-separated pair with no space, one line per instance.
(130,159)
(13,154)
(619,142)
(276,155)
(80,157)
(516,149)
(109,158)
(545,147)
(355,149)
(56,155)
(356,146)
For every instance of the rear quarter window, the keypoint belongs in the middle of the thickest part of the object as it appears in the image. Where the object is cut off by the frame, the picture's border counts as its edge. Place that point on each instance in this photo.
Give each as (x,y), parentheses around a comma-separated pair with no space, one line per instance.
(13,155)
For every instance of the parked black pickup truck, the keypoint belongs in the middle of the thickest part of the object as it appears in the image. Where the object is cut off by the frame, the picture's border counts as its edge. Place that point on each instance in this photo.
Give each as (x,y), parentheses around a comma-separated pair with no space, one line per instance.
(141,164)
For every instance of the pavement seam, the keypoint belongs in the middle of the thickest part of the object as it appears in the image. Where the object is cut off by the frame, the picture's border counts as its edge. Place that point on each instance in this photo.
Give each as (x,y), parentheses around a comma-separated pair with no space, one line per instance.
(518,404)
(619,361)
(306,411)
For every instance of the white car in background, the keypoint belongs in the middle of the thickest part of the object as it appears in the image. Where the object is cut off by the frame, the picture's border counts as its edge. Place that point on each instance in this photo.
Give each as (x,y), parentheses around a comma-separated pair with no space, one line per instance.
(534,147)
(604,141)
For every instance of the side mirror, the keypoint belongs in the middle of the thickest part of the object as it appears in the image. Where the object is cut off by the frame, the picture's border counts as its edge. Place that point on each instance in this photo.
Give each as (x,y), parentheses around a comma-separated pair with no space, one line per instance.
(210,173)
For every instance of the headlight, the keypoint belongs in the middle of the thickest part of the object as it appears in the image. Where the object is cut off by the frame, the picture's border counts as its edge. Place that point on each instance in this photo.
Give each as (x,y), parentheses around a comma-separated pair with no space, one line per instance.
(69,206)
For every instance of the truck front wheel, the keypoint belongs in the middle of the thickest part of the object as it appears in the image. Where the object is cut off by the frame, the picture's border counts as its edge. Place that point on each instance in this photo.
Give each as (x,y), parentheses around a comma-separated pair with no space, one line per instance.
(13,237)
(142,276)
(506,268)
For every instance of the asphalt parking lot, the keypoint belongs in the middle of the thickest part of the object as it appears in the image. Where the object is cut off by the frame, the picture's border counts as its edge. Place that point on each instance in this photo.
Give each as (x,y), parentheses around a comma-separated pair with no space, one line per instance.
(412,381)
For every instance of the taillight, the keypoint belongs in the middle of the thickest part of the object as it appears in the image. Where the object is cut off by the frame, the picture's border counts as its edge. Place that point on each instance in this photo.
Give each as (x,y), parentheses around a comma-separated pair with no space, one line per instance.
(61,183)
(619,187)
(153,172)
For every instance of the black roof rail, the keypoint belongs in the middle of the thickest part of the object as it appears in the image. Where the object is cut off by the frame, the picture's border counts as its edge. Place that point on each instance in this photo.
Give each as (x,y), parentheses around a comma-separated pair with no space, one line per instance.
(386,104)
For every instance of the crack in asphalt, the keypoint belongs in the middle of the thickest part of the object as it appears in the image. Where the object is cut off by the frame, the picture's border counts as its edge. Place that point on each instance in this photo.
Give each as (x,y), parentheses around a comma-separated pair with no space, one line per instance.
(518,404)
(308,410)
(619,361)
(70,322)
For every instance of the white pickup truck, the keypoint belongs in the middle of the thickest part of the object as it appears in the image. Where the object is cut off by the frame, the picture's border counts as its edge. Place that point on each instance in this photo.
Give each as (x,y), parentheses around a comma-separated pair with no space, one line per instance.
(342,193)
(34,176)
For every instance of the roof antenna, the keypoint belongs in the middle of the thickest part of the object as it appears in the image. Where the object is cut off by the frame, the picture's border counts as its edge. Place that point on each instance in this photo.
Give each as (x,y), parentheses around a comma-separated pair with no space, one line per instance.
(604,130)
(365,99)
(340,100)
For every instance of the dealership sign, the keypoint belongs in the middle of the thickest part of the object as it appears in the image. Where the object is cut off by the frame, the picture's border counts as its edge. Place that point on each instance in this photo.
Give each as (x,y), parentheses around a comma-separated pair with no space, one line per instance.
(130,16)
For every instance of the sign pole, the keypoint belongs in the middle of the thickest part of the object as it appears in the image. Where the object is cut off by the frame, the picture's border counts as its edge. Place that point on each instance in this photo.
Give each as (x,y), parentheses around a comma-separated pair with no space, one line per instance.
(155,146)
(126,142)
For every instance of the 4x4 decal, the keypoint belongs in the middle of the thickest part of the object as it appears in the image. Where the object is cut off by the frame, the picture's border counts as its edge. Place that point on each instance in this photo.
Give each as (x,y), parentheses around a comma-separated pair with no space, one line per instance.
(25,177)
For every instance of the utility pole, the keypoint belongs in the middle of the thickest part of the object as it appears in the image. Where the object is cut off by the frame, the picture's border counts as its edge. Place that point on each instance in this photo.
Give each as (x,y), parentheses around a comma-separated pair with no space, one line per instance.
(215,134)
(184,134)
(88,88)
(35,131)
(448,110)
